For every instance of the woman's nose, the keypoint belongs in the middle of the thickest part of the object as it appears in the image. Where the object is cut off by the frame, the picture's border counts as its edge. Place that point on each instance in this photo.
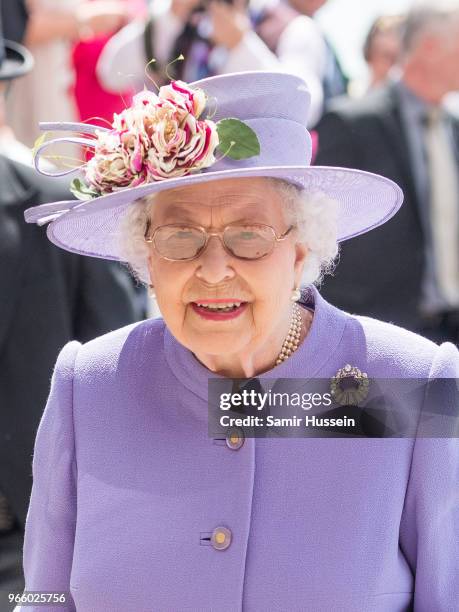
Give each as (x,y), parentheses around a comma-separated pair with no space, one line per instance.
(215,264)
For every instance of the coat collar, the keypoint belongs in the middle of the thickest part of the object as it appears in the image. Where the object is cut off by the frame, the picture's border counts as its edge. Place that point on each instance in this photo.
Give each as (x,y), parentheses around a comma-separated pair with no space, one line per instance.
(309,359)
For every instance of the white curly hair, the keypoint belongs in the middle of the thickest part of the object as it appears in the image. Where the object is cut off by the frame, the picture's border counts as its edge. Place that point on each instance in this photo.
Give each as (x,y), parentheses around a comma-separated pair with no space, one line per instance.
(314,213)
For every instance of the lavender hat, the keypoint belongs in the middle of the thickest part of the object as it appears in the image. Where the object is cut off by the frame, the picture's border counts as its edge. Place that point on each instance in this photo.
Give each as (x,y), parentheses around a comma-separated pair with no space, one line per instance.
(141,156)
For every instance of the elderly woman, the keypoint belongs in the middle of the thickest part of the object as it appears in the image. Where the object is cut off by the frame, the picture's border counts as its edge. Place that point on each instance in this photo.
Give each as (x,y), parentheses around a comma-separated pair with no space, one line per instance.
(137,504)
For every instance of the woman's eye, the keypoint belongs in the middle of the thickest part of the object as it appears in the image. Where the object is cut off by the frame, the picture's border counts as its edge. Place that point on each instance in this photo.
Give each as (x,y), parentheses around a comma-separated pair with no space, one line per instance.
(246,235)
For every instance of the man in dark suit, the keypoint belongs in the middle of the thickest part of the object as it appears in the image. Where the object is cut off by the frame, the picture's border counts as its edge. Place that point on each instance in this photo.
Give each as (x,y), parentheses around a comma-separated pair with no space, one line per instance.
(47,297)
(407,270)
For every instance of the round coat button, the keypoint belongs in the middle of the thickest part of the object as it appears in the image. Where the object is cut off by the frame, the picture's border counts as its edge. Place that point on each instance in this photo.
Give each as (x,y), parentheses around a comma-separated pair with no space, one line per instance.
(235,438)
(221,538)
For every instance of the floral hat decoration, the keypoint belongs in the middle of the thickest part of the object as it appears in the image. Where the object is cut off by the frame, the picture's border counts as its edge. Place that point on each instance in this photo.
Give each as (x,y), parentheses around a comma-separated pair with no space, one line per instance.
(161,136)
(244,124)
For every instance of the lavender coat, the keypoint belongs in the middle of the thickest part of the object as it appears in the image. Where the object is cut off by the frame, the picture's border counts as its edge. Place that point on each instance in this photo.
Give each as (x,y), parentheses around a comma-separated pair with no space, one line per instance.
(128,487)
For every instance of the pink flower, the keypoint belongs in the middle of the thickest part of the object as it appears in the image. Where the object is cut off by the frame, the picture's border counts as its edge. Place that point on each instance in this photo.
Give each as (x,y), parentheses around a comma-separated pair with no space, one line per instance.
(158,137)
(192,100)
(180,143)
(117,163)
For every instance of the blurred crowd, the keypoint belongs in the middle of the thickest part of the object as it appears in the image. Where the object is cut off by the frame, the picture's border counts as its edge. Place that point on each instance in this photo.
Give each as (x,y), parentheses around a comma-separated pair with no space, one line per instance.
(91,56)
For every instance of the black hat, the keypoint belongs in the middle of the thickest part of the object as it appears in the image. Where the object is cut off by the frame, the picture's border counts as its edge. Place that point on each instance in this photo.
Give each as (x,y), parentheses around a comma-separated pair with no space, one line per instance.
(15,60)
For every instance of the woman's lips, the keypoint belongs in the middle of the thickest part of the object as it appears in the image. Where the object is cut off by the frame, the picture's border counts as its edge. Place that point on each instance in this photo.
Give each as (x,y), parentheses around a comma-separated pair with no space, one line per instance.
(216,315)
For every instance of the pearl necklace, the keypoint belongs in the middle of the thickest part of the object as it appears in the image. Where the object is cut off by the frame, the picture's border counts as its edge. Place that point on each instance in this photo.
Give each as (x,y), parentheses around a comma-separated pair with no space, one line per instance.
(292,339)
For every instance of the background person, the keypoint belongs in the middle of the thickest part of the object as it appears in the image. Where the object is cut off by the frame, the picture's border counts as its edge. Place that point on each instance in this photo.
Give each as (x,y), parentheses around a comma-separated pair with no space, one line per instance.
(334,79)
(48,298)
(93,102)
(381,48)
(212,37)
(402,131)
(217,37)
(53,27)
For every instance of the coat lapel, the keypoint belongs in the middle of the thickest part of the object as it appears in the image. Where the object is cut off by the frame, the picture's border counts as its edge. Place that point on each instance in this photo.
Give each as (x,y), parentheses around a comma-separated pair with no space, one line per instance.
(14,197)
(396,131)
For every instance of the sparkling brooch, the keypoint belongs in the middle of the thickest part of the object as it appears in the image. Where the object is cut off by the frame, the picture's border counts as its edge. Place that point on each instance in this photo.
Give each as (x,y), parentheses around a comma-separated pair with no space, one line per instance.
(349,386)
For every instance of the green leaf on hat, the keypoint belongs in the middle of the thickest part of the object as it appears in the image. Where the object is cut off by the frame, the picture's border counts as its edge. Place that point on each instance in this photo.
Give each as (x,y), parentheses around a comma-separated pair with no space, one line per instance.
(81,191)
(237,139)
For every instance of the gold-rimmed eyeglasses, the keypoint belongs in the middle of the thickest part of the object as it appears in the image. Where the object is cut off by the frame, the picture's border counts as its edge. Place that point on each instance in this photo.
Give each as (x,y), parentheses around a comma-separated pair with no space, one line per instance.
(184,242)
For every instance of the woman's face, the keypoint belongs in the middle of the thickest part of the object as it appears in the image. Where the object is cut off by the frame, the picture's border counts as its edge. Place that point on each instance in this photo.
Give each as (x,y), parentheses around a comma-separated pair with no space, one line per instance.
(265,285)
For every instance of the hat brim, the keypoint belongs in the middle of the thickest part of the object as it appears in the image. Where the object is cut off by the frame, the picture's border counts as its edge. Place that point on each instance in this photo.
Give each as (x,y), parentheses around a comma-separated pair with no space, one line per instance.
(18,61)
(366,200)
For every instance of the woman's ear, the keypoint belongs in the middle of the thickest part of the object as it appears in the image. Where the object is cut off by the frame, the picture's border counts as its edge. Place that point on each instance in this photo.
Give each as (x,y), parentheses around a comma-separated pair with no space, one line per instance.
(301,253)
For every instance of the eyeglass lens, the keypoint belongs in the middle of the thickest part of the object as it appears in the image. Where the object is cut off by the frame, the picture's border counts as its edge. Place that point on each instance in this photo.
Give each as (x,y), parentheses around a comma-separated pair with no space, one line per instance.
(248,242)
